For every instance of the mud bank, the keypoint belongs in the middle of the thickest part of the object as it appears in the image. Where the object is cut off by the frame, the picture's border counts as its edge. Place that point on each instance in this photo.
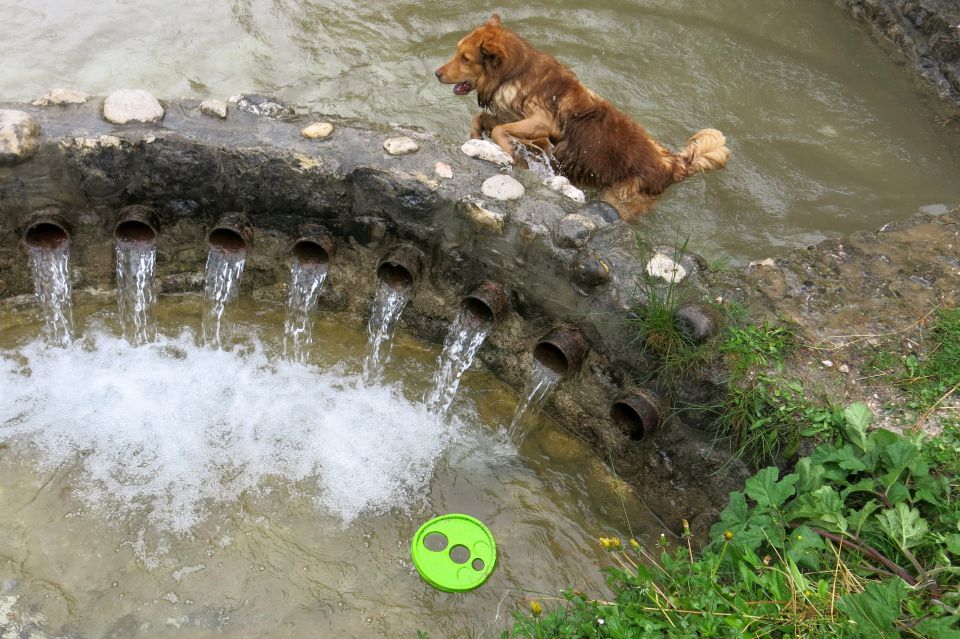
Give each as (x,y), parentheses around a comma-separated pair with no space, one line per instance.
(926,32)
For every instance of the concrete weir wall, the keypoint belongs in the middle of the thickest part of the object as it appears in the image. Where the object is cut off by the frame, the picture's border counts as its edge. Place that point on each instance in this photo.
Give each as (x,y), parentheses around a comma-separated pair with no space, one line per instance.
(562,261)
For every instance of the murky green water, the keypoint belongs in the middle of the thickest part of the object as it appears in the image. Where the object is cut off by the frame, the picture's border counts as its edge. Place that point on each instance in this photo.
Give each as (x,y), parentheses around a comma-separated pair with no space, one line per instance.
(828,134)
(172,490)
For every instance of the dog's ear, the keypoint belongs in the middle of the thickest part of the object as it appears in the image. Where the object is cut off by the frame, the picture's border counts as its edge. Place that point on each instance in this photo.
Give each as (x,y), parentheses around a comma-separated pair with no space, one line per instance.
(492,52)
(494,20)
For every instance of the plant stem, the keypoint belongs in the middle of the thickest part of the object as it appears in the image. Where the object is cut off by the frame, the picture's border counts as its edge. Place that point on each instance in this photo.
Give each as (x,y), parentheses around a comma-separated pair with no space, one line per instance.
(859,546)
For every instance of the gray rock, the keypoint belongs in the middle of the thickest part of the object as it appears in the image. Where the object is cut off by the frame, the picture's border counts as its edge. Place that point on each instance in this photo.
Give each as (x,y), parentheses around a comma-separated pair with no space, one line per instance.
(61,97)
(215,108)
(502,187)
(401,145)
(132,105)
(590,272)
(483,218)
(19,136)
(486,150)
(698,322)
(574,231)
(601,212)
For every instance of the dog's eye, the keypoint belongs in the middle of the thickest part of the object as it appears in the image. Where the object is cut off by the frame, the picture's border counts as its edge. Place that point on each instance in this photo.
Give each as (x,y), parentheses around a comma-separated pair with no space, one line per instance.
(464,58)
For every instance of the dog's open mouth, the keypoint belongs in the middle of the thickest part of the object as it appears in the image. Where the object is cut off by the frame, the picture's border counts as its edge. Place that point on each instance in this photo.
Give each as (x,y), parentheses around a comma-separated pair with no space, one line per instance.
(463,88)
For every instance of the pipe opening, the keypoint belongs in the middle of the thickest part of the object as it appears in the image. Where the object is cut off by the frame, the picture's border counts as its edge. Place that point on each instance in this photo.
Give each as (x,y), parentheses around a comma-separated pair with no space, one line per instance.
(394,275)
(552,356)
(135,231)
(636,415)
(227,240)
(628,421)
(478,309)
(46,235)
(487,303)
(310,252)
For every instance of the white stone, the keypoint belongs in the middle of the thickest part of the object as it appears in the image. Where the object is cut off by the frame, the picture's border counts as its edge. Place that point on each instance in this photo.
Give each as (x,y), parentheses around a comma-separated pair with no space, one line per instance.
(767,262)
(562,184)
(502,187)
(827,363)
(215,108)
(663,267)
(19,135)
(61,96)
(486,150)
(843,368)
(132,105)
(317,131)
(400,146)
(443,170)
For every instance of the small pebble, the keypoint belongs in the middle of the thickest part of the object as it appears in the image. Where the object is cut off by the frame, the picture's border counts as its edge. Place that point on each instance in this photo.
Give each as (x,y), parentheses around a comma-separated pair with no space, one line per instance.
(317,131)
(502,187)
(443,170)
(400,146)
(827,363)
(843,368)
(216,108)
(132,105)
(61,97)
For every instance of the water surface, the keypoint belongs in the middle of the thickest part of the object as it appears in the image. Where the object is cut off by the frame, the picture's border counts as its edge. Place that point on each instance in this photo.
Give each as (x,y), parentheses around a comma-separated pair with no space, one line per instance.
(173,488)
(828,133)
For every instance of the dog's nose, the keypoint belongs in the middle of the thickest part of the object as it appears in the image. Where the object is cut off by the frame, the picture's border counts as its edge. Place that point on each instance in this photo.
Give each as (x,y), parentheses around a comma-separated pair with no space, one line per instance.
(439,73)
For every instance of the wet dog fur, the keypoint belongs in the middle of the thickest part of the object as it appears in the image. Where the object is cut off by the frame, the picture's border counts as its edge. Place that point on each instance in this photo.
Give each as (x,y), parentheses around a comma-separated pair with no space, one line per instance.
(528,97)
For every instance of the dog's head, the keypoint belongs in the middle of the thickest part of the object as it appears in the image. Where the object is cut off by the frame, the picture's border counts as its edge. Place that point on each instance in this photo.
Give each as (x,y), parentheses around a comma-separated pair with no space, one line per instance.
(479,59)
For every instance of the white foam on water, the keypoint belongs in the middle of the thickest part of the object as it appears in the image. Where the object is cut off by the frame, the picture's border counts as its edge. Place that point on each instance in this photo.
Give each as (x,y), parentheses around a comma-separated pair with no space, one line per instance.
(169,428)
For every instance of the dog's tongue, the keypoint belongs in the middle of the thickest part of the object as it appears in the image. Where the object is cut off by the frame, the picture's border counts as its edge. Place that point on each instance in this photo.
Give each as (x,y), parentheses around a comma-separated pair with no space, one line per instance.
(463,88)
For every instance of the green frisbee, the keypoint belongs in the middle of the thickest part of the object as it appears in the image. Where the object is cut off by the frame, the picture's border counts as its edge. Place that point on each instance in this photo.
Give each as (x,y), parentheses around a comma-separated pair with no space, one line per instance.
(454,553)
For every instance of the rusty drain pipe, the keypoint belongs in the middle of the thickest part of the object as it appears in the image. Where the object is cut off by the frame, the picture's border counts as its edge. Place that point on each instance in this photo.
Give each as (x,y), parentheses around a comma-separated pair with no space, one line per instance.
(46,230)
(231,234)
(562,350)
(638,414)
(401,266)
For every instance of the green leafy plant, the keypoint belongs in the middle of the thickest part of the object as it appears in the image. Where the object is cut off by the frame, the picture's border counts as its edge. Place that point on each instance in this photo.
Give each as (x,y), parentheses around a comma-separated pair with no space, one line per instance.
(858,542)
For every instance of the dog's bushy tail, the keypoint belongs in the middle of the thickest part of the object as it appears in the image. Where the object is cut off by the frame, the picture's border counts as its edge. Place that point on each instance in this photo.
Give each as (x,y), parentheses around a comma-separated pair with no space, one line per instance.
(705,151)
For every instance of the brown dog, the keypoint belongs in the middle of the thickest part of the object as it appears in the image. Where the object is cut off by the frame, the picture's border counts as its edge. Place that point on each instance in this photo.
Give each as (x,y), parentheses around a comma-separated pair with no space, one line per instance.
(530,98)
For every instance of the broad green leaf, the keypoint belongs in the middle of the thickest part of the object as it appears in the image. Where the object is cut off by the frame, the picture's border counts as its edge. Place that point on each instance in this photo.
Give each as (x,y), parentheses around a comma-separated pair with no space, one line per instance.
(858,519)
(845,457)
(804,547)
(747,526)
(810,474)
(903,525)
(942,628)
(875,609)
(822,506)
(898,457)
(858,418)
(764,488)
(898,493)
(953,543)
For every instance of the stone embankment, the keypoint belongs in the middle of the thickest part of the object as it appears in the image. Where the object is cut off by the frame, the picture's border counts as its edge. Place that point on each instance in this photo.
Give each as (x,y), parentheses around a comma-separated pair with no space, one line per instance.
(927,32)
